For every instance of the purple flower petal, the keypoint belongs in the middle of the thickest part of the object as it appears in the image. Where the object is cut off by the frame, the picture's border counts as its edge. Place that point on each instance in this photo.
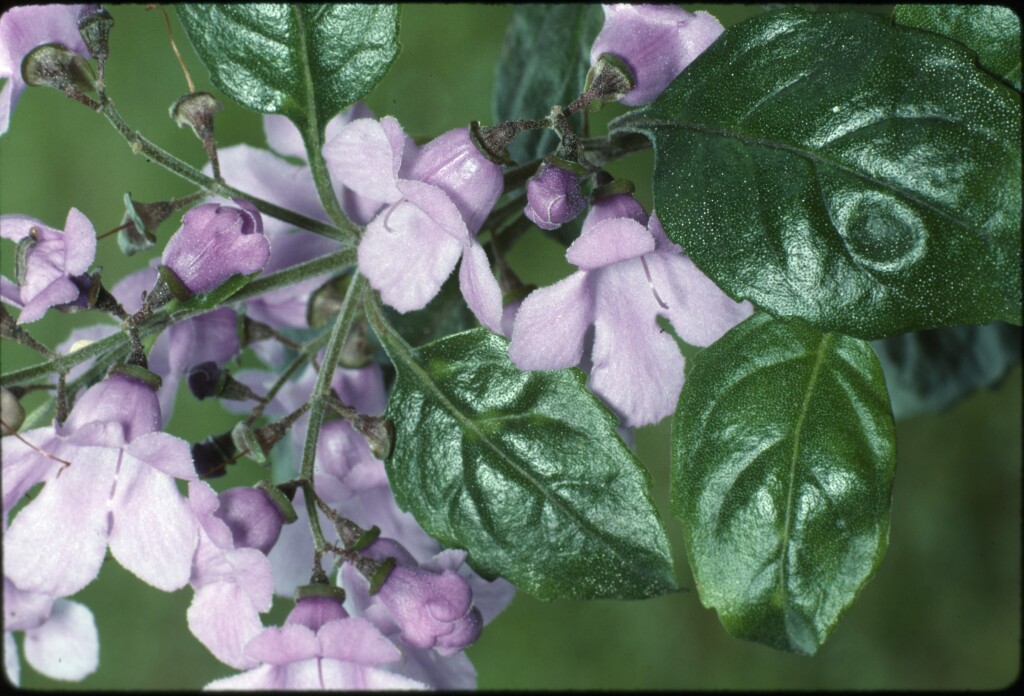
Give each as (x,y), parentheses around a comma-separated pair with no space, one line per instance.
(21,30)
(551,323)
(435,204)
(480,288)
(452,163)
(154,532)
(23,466)
(79,243)
(344,676)
(637,368)
(409,262)
(67,645)
(656,41)
(165,453)
(69,519)
(365,156)
(698,309)
(356,640)
(224,620)
(284,644)
(608,242)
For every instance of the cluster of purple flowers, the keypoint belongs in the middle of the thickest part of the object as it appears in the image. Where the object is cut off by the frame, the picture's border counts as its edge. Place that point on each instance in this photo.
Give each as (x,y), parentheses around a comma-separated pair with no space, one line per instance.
(106,476)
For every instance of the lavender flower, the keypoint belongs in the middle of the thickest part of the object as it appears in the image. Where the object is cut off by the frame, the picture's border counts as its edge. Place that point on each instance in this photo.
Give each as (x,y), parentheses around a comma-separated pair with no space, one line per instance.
(61,641)
(656,42)
(320,647)
(437,197)
(233,584)
(50,271)
(265,174)
(112,487)
(630,273)
(553,197)
(216,242)
(21,30)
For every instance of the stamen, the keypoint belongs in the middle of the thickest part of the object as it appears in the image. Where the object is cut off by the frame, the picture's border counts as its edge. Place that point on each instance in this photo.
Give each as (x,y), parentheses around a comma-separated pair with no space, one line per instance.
(390,210)
(188,77)
(650,281)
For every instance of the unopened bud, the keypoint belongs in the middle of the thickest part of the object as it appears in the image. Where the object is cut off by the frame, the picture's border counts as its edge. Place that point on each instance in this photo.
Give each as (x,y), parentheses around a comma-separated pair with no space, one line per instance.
(208,379)
(12,415)
(212,456)
(53,65)
(94,24)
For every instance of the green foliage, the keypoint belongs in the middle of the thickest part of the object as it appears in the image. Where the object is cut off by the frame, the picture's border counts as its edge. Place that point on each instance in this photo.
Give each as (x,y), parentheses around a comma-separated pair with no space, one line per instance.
(783,454)
(990,30)
(307,62)
(544,62)
(522,469)
(845,170)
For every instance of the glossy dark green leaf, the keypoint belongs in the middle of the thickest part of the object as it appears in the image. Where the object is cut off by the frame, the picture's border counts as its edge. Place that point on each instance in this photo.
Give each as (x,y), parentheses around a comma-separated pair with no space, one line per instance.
(992,31)
(783,454)
(931,370)
(524,470)
(842,169)
(306,62)
(544,61)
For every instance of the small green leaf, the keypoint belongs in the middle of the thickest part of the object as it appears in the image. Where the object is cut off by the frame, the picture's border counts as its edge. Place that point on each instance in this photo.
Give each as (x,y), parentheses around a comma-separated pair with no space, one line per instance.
(543,63)
(783,454)
(992,31)
(522,469)
(843,169)
(931,370)
(307,62)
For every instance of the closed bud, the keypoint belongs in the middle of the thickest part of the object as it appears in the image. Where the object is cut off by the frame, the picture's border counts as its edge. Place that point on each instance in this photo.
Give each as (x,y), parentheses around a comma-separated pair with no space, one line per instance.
(212,456)
(208,379)
(94,24)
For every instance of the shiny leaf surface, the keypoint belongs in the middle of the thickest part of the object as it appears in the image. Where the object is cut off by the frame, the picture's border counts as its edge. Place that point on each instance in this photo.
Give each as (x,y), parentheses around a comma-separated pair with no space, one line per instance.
(783,454)
(522,469)
(842,169)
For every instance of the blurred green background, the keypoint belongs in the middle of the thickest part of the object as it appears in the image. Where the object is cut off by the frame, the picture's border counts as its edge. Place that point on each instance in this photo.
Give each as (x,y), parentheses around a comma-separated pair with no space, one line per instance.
(943,611)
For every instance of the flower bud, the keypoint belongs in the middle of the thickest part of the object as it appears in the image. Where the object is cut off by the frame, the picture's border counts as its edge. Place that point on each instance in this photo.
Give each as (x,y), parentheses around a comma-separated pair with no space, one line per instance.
(253,516)
(214,243)
(52,65)
(207,379)
(433,610)
(212,456)
(94,24)
(553,194)
(654,42)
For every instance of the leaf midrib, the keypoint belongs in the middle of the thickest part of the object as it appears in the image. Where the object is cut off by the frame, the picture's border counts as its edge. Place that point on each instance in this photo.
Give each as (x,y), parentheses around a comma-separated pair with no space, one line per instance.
(468,425)
(823,345)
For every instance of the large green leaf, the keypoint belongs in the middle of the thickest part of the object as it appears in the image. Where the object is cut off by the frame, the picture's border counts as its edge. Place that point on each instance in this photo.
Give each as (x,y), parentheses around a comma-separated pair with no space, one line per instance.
(522,469)
(783,454)
(992,31)
(840,168)
(306,62)
(931,370)
(543,63)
